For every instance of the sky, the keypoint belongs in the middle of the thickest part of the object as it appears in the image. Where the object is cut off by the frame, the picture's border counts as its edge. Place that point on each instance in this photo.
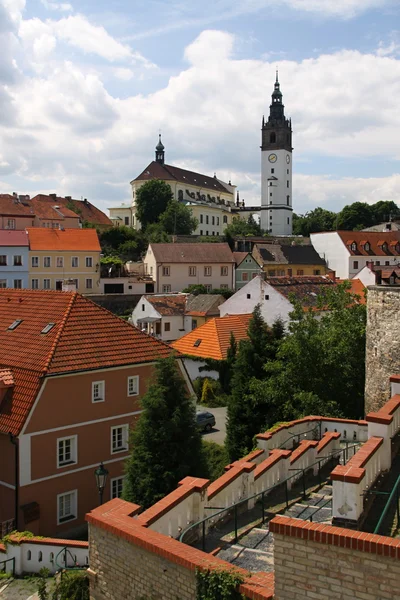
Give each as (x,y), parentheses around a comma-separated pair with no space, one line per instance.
(86,87)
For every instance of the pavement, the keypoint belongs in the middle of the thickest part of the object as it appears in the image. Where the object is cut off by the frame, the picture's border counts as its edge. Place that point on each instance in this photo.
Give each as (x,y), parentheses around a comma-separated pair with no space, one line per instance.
(218,433)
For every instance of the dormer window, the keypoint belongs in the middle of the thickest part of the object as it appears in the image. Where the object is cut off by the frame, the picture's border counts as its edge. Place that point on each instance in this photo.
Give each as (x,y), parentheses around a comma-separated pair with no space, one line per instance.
(353,247)
(384,247)
(367,246)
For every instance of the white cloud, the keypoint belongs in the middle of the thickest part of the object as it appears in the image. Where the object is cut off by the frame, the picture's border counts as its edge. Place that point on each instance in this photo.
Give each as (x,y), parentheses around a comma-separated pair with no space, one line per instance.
(60,6)
(123,73)
(335,8)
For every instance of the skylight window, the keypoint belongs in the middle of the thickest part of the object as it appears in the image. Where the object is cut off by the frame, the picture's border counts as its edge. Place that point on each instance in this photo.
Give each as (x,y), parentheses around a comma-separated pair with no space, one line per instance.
(15,324)
(48,328)
(197,343)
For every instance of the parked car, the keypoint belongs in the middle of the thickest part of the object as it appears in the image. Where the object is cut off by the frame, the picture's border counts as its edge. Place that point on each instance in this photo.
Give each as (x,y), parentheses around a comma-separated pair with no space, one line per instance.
(205,421)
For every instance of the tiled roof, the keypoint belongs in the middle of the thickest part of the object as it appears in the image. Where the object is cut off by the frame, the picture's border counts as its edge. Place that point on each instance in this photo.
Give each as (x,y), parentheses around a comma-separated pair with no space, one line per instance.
(11,206)
(305,289)
(43,207)
(357,287)
(291,255)
(51,210)
(84,337)
(239,257)
(214,337)
(192,253)
(169,304)
(375,240)
(168,172)
(41,238)
(13,238)
(84,208)
(203,304)
(6,377)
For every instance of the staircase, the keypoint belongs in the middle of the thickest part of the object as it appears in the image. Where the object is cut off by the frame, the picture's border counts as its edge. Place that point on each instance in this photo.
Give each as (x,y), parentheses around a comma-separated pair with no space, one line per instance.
(255,552)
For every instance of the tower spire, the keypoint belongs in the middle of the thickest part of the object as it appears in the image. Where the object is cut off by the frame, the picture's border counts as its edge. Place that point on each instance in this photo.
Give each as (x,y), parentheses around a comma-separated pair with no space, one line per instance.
(160,153)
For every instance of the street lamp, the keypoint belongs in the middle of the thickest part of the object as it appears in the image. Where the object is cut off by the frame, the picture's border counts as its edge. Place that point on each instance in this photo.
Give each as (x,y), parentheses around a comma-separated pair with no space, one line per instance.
(101,474)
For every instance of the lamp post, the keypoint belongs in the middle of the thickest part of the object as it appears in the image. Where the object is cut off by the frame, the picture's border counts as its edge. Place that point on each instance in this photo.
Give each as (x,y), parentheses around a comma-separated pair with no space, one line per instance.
(101,474)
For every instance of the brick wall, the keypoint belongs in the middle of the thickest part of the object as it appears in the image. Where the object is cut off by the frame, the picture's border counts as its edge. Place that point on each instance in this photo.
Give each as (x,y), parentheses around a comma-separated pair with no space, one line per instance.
(315,561)
(127,571)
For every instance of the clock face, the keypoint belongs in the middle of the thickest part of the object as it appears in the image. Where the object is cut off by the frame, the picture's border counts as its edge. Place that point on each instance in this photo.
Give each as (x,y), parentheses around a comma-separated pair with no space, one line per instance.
(287,158)
(272,158)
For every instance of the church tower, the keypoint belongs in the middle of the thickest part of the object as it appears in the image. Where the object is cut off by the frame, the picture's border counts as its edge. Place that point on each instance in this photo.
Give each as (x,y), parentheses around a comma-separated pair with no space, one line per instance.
(160,151)
(276,168)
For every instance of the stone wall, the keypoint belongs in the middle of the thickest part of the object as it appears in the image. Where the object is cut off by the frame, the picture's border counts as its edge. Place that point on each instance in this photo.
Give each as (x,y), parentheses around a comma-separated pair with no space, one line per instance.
(314,562)
(383,344)
(127,571)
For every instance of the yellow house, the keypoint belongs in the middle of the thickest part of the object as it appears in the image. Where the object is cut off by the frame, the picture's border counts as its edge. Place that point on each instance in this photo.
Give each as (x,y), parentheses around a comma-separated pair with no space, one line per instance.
(57,255)
(279,260)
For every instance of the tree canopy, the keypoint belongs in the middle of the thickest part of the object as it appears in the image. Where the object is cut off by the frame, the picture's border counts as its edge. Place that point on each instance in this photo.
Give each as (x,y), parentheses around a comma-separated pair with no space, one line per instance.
(152,199)
(178,219)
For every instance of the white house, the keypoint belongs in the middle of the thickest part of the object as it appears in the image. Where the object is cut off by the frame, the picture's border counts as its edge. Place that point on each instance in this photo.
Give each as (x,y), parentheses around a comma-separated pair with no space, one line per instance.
(162,316)
(174,267)
(347,252)
(272,295)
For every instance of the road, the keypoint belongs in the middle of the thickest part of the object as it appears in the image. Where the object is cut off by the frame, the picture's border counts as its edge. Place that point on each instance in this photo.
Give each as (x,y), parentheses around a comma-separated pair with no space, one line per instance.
(218,433)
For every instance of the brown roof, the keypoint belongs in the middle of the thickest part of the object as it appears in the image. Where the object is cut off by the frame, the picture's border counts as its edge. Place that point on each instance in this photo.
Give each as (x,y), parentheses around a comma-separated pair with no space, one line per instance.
(84,337)
(192,253)
(240,256)
(203,304)
(375,239)
(13,238)
(170,173)
(168,305)
(211,340)
(11,206)
(41,238)
(85,210)
(305,289)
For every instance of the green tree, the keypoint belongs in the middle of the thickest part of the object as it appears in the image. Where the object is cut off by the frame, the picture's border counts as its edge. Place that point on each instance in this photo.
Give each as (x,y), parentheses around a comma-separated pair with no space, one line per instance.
(358,215)
(178,219)
(246,414)
(199,288)
(313,221)
(166,445)
(152,199)
(124,241)
(224,368)
(385,210)
(242,227)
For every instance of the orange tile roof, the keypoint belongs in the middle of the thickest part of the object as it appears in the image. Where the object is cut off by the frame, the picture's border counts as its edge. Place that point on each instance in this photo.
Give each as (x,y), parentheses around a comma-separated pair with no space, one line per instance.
(85,209)
(357,287)
(84,337)
(214,336)
(375,240)
(41,238)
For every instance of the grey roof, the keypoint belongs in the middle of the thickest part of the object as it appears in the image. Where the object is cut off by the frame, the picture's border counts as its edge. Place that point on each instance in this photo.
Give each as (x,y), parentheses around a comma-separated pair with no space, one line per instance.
(283,254)
(204,303)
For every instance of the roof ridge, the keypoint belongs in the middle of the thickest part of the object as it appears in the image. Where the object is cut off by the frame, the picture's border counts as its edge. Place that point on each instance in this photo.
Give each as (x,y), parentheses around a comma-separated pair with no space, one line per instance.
(60,331)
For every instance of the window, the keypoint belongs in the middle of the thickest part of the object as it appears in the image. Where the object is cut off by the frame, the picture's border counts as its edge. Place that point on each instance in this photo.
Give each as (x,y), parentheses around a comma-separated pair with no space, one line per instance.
(15,324)
(3,260)
(207,219)
(75,261)
(270,194)
(60,262)
(46,284)
(281,272)
(272,171)
(266,296)
(66,451)
(17,259)
(207,271)
(166,271)
(76,283)
(98,394)
(288,221)
(355,264)
(353,247)
(133,385)
(117,484)
(384,247)
(192,271)
(248,296)
(208,287)
(289,272)
(378,262)
(272,273)
(10,223)
(67,507)
(223,286)
(300,272)
(119,438)
(217,220)
(47,261)
(35,261)
(387,263)
(288,200)
(180,194)
(201,218)
(143,307)
(197,343)
(245,276)
(224,271)
(225,219)
(367,246)
(166,289)
(194,324)
(317,272)
(89,262)
(287,184)
(213,220)
(17,284)
(48,328)
(201,232)
(35,284)
(167,326)
(89,284)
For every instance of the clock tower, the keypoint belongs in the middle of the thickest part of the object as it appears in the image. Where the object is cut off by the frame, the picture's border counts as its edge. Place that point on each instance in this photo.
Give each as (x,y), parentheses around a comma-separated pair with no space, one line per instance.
(276,168)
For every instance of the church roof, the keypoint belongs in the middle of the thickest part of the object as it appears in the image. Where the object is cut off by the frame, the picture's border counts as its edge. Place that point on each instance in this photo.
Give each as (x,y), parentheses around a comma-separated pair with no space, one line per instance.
(156,170)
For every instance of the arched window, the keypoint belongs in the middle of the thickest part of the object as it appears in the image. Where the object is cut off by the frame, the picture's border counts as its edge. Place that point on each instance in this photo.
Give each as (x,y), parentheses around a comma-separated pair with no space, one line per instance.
(40,556)
(272,138)
(354,247)
(367,246)
(344,434)
(180,194)
(29,555)
(51,557)
(384,247)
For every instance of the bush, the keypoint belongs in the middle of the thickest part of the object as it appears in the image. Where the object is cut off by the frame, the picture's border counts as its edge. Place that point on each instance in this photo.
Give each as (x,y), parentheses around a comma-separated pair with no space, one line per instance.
(209,392)
(215,458)
(73,585)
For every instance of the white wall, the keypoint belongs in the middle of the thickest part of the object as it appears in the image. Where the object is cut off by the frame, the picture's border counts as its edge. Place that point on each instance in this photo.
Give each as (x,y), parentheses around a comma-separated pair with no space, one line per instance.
(331,248)
(366,276)
(177,323)
(130,285)
(276,306)
(192,367)
(362,262)
(30,557)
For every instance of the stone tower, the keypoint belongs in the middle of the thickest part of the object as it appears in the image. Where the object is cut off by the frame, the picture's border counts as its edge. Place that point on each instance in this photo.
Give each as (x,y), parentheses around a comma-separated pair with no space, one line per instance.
(276,168)
(383,344)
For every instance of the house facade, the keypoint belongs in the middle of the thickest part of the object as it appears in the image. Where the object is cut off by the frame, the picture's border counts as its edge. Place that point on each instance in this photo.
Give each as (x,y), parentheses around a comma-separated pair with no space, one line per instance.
(348,252)
(246,268)
(174,267)
(14,259)
(284,260)
(162,316)
(59,255)
(71,379)
(210,199)
(122,215)
(272,294)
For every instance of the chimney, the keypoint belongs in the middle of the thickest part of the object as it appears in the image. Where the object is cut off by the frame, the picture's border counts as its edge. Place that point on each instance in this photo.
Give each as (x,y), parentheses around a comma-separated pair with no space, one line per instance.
(85,201)
(68,197)
(53,196)
(15,194)
(370,264)
(331,274)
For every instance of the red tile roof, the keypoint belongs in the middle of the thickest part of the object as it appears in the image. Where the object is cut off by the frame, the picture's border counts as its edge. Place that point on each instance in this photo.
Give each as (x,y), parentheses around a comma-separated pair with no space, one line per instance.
(214,337)
(86,210)
(41,238)
(85,337)
(43,207)
(357,287)
(13,238)
(375,239)
(192,253)
(6,377)
(168,305)
(170,173)
(11,206)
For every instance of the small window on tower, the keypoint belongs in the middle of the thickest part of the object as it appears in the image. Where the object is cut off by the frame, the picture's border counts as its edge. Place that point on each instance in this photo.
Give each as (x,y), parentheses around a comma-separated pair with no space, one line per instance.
(272,171)
(272,138)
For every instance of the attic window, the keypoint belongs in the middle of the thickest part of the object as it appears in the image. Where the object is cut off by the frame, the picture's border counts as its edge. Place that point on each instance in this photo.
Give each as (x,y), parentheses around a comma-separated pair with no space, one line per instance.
(48,328)
(15,324)
(197,343)
(353,247)
(367,246)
